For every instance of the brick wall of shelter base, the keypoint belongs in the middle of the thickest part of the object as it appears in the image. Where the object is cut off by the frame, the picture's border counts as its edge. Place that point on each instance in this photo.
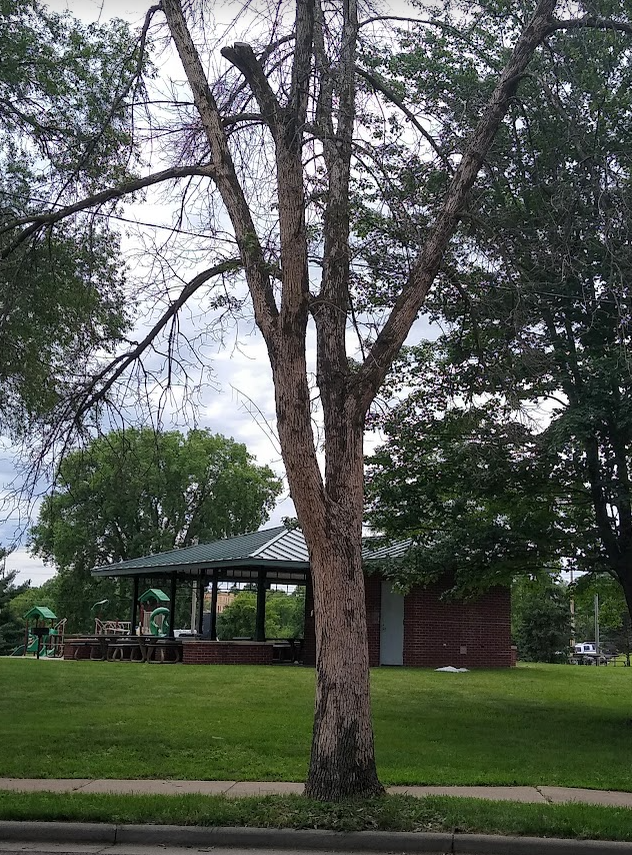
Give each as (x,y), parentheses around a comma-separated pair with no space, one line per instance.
(226,653)
(465,634)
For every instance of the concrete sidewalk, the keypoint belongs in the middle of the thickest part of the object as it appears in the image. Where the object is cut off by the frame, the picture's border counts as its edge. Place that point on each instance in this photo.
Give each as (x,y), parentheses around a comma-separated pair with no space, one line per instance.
(236,789)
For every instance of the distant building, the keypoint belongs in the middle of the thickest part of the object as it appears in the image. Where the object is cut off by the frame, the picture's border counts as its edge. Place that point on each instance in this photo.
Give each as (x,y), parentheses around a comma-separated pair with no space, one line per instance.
(224,598)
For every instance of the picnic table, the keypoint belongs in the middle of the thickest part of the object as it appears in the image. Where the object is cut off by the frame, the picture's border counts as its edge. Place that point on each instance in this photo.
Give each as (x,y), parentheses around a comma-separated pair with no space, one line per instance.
(287,649)
(96,644)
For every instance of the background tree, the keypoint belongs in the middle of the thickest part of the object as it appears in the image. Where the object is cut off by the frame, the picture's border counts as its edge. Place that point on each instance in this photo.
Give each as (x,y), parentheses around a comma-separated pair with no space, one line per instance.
(541,618)
(295,97)
(42,595)
(615,626)
(11,628)
(135,492)
(535,296)
(466,486)
(284,615)
(66,92)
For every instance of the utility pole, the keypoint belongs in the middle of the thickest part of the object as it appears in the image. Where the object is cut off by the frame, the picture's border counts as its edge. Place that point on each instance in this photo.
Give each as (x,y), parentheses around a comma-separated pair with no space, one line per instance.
(597,627)
(572,644)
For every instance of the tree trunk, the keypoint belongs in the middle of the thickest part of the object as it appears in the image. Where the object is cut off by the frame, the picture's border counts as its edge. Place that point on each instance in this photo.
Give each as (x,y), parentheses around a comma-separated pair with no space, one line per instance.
(342,761)
(624,575)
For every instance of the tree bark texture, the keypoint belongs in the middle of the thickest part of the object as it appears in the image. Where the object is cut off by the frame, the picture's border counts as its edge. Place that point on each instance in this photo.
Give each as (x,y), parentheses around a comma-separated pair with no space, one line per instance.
(342,761)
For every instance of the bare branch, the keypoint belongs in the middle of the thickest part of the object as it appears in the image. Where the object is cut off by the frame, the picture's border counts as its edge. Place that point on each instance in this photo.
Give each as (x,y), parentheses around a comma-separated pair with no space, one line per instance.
(34,222)
(380,86)
(592,22)
(118,101)
(242,56)
(301,69)
(95,395)
(225,177)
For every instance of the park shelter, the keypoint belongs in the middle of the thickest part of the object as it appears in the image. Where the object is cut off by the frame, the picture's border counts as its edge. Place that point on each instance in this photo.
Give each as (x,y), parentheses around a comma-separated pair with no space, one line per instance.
(421,627)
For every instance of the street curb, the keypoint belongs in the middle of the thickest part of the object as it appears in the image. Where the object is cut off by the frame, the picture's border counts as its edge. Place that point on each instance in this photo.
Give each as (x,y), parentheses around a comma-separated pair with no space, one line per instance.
(58,832)
(292,839)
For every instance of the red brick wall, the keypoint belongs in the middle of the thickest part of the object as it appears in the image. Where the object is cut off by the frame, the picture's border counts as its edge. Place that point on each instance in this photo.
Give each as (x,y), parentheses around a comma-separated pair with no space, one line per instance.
(373,599)
(226,653)
(471,634)
(436,631)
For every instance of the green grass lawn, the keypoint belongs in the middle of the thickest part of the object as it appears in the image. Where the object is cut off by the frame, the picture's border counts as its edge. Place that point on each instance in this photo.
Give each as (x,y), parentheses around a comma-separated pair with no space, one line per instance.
(393,813)
(558,725)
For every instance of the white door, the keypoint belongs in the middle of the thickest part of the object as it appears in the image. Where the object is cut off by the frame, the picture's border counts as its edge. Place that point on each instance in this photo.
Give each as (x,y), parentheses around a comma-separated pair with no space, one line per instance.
(391,627)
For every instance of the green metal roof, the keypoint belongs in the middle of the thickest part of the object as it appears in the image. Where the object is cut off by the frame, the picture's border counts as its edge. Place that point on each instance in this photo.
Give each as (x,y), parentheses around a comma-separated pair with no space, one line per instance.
(219,553)
(153,594)
(40,612)
(277,547)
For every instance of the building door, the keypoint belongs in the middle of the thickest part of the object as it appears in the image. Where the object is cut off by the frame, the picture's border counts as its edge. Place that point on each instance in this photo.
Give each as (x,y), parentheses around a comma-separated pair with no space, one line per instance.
(391,627)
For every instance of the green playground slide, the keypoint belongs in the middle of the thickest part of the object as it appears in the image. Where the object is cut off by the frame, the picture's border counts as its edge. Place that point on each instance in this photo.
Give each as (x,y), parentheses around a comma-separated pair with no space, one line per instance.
(32,648)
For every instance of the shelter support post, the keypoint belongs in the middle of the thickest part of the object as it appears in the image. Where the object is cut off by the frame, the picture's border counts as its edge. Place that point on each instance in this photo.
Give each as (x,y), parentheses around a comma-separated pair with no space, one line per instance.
(201,583)
(172,607)
(214,589)
(260,623)
(134,605)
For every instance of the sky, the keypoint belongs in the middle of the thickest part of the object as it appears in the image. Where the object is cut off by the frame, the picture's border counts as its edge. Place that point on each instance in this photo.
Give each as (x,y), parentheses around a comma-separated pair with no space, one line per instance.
(240,404)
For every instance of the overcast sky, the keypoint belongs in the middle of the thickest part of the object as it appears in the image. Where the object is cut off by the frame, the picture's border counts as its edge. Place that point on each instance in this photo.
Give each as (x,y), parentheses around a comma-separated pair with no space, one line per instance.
(242,403)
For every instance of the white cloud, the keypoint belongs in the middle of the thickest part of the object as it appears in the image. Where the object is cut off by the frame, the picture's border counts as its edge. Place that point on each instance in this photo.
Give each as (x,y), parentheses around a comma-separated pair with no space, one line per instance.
(29,567)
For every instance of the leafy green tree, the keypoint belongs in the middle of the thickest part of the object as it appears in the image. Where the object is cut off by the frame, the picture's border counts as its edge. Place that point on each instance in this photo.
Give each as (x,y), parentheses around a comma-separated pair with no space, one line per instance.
(533,307)
(615,626)
(237,619)
(461,484)
(284,615)
(44,595)
(11,628)
(64,129)
(541,619)
(135,492)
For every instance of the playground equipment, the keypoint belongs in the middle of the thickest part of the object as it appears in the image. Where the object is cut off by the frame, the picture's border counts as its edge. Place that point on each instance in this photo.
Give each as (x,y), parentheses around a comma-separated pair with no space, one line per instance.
(154,612)
(159,621)
(109,627)
(45,636)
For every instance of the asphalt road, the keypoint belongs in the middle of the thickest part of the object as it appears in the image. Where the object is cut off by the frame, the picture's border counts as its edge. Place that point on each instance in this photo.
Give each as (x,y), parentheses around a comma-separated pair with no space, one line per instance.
(17,848)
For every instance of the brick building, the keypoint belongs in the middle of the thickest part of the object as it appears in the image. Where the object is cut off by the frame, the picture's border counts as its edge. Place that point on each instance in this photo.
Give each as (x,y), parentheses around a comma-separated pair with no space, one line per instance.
(421,628)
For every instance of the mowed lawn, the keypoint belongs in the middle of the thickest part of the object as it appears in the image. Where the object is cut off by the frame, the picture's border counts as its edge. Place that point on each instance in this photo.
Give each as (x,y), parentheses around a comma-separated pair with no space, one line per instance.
(558,725)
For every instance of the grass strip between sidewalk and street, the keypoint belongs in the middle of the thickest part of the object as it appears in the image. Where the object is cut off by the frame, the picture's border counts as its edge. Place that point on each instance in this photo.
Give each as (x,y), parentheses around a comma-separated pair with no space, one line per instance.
(391,813)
